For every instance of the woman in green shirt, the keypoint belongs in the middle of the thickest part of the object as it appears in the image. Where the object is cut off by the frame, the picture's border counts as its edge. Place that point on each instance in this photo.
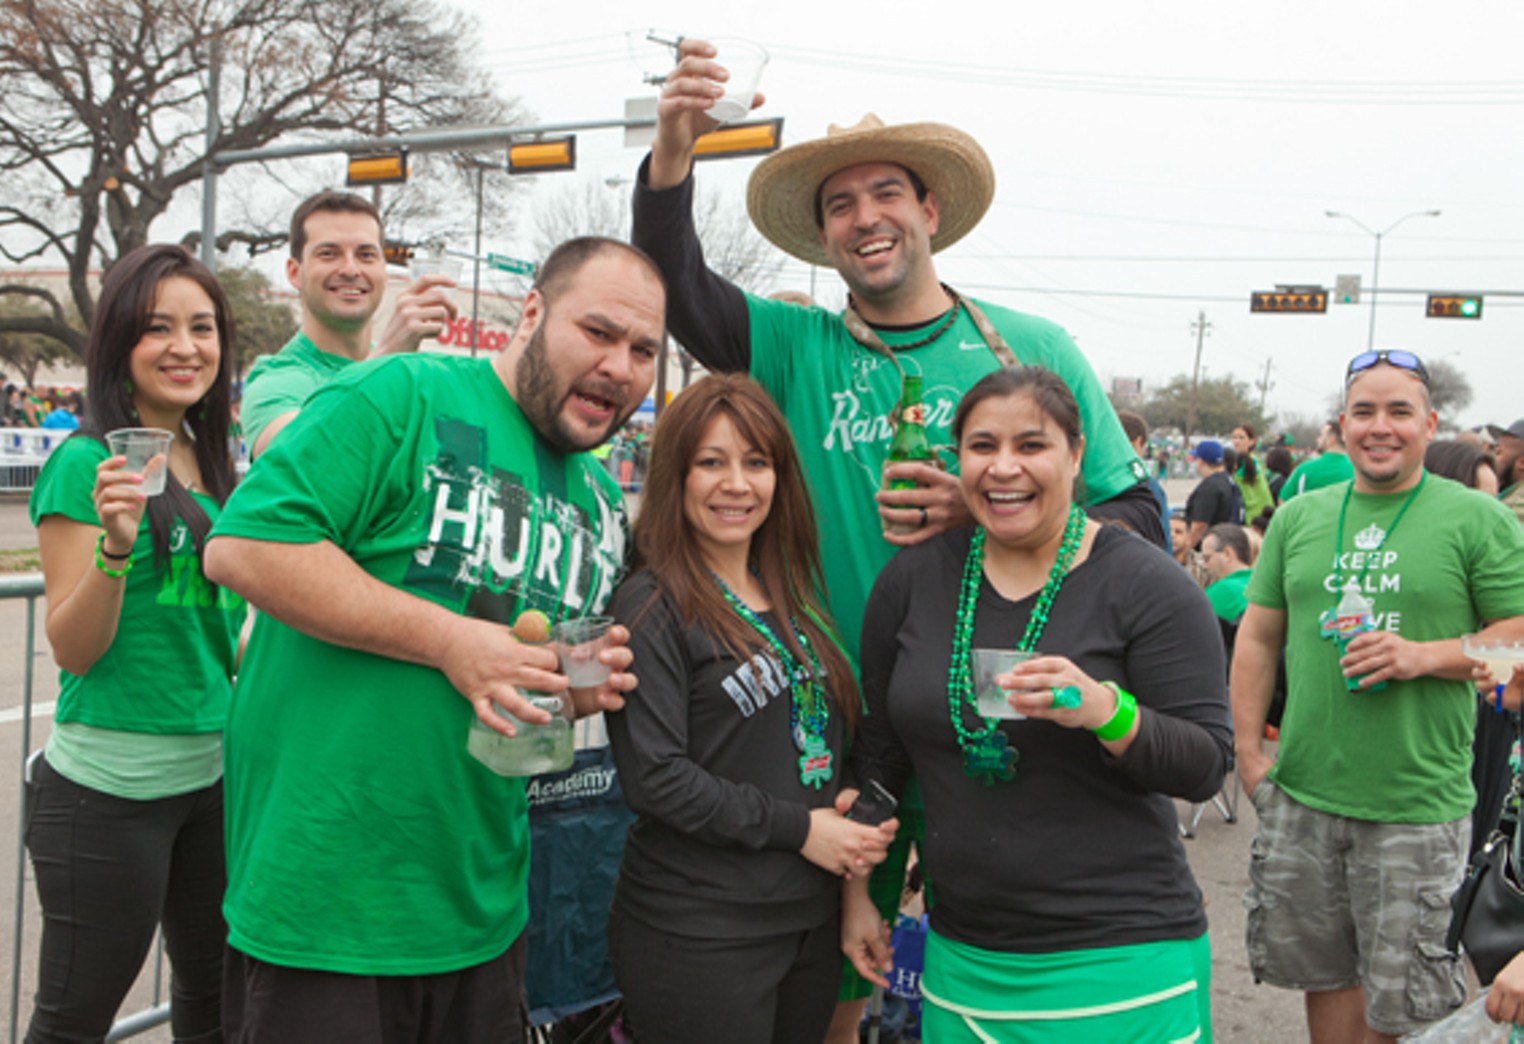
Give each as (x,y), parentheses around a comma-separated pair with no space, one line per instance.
(125,828)
(1249,476)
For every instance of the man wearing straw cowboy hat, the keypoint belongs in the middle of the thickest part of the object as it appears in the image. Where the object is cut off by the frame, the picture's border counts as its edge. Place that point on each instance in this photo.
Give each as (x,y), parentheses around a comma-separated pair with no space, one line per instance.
(875,203)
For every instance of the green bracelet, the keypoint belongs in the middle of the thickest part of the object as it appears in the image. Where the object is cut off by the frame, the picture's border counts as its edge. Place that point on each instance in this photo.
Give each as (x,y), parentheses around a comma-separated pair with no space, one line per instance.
(1120,722)
(100,560)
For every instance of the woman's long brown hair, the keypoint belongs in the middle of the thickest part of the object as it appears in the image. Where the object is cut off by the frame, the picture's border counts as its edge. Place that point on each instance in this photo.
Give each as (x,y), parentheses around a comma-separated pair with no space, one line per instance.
(784,550)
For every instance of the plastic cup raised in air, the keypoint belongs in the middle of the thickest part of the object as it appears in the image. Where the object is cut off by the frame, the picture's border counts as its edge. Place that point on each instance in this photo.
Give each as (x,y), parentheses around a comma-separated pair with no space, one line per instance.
(578,643)
(983,665)
(147,453)
(744,61)
(434,264)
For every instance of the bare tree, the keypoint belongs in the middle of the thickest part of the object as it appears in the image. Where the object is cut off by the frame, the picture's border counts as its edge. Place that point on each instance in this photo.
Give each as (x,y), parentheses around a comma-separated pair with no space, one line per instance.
(1449,390)
(731,246)
(103,114)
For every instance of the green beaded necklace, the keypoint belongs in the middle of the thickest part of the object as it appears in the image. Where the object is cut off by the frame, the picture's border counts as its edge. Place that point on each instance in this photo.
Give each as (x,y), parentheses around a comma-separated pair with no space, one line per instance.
(986,750)
(809,710)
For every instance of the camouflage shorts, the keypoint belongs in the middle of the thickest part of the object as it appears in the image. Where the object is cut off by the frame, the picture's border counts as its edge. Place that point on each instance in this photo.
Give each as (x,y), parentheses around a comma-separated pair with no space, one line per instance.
(1335,903)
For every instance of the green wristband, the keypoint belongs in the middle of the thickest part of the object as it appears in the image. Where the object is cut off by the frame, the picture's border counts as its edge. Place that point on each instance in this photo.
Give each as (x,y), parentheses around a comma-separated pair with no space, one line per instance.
(100,560)
(1120,722)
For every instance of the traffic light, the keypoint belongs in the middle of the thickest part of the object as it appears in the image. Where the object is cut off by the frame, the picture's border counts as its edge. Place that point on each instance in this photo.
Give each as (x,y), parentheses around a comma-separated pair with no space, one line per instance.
(1290,299)
(396,253)
(740,139)
(1455,306)
(543,156)
(389,168)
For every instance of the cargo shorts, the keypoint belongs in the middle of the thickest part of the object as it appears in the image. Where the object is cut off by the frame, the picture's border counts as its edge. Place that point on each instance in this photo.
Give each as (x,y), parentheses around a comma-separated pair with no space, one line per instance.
(1335,903)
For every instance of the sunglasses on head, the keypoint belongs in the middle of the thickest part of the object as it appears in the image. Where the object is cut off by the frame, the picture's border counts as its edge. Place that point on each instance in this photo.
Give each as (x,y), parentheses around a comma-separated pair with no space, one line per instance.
(1392,357)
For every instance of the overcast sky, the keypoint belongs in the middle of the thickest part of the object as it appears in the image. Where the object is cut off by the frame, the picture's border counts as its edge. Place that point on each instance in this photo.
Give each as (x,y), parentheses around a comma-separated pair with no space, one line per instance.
(1153,160)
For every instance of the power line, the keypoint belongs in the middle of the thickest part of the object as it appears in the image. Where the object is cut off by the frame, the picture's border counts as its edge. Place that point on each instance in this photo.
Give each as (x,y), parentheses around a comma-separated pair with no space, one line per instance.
(1387,93)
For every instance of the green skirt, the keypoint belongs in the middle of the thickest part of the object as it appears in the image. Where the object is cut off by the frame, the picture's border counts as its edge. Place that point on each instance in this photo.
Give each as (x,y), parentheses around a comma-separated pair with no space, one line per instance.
(1148,992)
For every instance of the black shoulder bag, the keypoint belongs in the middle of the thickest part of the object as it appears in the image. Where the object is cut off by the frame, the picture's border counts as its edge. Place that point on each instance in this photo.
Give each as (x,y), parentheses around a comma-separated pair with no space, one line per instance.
(1487,910)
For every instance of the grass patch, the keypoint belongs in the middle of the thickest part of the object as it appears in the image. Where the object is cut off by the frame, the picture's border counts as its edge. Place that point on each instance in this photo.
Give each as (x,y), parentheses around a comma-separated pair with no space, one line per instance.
(21,560)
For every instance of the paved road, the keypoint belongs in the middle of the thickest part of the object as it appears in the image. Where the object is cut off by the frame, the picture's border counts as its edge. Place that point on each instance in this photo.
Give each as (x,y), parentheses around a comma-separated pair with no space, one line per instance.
(1243,1012)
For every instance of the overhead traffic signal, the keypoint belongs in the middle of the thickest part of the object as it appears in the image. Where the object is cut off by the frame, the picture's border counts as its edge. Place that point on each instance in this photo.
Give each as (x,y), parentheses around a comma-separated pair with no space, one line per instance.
(1303,299)
(389,168)
(1455,306)
(396,253)
(543,155)
(740,139)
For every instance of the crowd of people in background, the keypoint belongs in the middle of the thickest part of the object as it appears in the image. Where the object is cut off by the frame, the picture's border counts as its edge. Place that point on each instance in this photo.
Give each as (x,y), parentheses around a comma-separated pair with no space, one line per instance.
(57,408)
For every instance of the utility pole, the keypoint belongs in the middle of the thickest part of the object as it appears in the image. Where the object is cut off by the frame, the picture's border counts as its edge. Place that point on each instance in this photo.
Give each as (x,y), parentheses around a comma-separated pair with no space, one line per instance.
(1200,328)
(1265,386)
(209,168)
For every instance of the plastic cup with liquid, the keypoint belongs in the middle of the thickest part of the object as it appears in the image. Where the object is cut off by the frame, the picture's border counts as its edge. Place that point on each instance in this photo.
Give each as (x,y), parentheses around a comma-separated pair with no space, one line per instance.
(744,61)
(578,643)
(983,665)
(147,453)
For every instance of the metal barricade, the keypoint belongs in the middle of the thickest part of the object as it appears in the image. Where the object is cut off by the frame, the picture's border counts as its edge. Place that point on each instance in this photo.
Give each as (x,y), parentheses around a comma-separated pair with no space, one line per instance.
(29,586)
(23,451)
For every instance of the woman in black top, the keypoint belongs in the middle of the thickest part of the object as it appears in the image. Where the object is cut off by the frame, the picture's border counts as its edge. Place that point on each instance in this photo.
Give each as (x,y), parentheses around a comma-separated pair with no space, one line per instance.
(725,917)
(1064,908)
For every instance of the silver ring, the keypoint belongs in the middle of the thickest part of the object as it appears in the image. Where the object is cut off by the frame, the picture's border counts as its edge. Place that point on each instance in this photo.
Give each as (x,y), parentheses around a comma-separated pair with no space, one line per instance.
(924,519)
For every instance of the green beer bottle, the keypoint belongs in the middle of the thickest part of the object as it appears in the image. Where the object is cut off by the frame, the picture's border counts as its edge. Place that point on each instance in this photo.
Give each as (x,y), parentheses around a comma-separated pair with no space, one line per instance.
(910,442)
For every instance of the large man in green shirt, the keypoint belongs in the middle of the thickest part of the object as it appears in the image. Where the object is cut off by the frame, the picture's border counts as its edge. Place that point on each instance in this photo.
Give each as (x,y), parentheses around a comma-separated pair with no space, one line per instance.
(1364,810)
(376,870)
(338,269)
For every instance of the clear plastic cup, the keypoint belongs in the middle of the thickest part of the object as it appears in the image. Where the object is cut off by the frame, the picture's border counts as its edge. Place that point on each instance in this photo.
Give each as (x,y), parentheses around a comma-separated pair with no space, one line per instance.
(434,264)
(983,665)
(744,61)
(147,453)
(578,643)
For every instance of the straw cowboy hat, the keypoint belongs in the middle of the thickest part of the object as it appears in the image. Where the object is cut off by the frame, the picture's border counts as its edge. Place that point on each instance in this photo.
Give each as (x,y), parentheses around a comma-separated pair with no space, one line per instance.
(781,193)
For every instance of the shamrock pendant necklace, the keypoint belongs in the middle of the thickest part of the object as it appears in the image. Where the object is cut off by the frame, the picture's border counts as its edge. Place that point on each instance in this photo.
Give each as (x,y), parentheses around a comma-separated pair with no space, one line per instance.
(987,752)
(808,708)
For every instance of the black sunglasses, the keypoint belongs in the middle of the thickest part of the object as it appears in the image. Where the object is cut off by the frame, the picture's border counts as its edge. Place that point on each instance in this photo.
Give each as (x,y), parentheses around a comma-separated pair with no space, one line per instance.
(1393,357)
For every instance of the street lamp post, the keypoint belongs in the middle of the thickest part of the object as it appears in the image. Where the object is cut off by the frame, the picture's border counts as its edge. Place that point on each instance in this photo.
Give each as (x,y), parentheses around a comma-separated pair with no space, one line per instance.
(1376,269)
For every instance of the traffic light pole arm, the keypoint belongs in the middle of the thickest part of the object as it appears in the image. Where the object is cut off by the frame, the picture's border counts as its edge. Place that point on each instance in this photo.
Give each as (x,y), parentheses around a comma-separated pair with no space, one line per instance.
(1376,268)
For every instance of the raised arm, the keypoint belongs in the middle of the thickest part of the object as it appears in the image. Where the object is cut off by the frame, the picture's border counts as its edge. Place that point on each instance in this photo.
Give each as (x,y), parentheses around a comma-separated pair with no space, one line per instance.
(705,312)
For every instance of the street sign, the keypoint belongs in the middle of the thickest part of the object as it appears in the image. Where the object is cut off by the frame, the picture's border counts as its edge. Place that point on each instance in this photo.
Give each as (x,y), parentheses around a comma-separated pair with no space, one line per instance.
(1347,289)
(503,263)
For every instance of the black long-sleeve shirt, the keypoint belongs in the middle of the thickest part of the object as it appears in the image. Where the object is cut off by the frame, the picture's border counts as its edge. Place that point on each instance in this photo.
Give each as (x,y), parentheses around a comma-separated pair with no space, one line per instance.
(708,762)
(1081,849)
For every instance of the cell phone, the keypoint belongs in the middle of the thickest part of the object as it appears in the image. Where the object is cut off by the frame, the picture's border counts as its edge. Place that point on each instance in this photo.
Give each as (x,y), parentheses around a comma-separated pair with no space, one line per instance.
(873,805)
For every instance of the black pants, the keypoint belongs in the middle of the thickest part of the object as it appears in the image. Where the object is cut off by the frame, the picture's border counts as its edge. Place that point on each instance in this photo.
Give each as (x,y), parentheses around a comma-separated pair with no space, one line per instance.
(109,872)
(272,1004)
(778,989)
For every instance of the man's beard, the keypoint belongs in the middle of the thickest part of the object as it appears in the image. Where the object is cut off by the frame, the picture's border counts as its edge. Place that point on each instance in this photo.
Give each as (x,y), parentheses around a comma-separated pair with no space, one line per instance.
(541,399)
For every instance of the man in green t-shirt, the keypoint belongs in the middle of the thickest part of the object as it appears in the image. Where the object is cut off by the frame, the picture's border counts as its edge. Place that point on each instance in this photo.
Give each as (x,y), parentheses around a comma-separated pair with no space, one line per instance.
(338,269)
(1226,553)
(376,870)
(1364,809)
(1330,466)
